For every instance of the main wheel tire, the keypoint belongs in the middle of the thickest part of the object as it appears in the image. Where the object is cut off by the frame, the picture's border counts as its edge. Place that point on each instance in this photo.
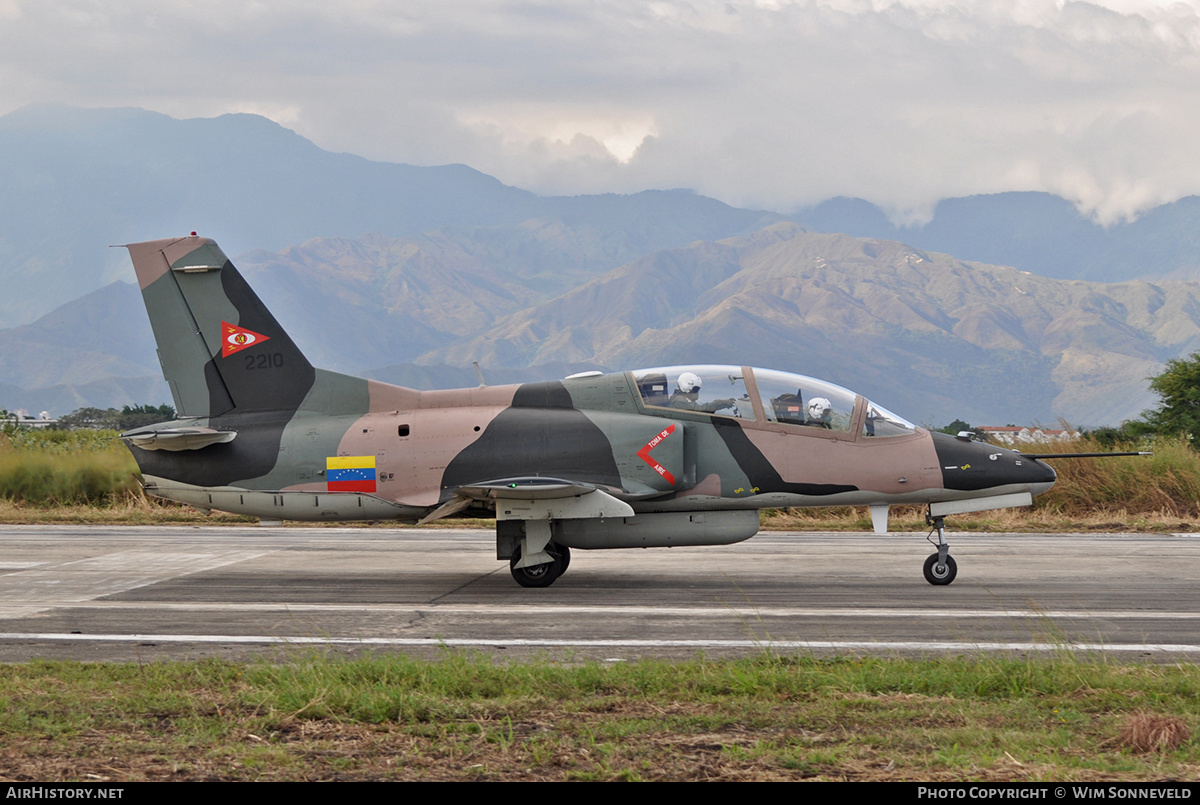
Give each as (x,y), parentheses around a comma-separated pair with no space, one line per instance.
(564,556)
(942,575)
(536,575)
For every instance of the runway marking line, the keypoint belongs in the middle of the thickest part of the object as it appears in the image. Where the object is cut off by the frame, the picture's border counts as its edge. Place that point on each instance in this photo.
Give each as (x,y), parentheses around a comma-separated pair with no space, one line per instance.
(792,645)
(552,609)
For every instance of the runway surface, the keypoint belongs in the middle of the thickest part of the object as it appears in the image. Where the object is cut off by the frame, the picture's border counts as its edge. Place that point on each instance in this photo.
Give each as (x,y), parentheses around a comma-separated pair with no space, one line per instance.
(144,593)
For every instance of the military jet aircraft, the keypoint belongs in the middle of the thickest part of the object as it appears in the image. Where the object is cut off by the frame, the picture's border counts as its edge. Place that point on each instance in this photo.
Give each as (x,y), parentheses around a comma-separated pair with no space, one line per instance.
(665,456)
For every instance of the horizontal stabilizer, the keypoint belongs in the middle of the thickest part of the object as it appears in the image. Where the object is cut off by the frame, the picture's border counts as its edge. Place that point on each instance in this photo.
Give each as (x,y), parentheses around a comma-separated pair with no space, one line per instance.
(178,438)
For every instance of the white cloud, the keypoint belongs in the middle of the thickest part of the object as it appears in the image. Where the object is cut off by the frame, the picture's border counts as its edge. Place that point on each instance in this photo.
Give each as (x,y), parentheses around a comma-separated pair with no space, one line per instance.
(768,103)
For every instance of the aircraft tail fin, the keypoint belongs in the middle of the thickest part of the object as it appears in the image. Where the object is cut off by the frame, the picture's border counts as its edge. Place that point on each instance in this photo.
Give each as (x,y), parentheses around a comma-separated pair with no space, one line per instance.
(221,350)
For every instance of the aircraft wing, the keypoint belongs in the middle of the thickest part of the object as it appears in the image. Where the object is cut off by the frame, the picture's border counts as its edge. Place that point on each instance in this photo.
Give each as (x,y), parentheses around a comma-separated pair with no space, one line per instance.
(526,488)
(568,498)
(542,488)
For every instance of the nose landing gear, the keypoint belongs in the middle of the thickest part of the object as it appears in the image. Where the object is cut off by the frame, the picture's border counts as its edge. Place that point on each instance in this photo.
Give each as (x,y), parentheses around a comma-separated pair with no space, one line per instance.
(940,567)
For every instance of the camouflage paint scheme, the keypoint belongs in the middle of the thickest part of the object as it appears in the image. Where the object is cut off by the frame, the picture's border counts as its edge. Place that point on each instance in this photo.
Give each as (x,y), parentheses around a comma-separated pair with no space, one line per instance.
(583,462)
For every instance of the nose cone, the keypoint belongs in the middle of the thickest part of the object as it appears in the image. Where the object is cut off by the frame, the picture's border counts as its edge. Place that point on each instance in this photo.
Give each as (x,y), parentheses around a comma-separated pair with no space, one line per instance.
(977,466)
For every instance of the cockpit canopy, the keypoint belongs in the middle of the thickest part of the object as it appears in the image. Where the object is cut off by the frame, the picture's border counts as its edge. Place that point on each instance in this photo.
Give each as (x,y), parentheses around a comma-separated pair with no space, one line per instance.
(766,395)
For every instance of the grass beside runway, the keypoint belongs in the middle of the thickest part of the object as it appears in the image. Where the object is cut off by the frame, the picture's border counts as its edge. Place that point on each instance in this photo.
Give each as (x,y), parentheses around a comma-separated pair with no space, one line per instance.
(310,717)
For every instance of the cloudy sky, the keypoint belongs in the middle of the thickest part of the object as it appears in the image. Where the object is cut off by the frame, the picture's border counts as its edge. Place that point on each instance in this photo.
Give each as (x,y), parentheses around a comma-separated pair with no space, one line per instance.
(771,103)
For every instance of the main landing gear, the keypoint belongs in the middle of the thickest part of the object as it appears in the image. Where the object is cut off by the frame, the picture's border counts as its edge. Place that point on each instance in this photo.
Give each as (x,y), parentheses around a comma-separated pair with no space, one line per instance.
(940,567)
(542,575)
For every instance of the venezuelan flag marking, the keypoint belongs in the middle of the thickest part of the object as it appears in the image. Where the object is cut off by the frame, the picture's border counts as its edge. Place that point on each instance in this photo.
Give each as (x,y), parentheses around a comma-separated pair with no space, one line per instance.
(350,473)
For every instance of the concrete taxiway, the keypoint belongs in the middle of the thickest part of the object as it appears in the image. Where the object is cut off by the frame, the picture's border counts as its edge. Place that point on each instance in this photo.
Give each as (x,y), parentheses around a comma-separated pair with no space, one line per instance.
(142,593)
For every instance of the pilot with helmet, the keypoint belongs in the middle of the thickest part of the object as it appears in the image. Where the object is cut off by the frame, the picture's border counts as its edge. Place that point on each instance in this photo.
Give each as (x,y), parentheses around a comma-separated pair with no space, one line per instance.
(819,413)
(687,396)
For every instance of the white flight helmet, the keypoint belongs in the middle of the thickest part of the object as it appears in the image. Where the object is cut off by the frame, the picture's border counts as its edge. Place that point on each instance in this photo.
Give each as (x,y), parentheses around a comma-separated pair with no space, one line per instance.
(819,408)
(689,382)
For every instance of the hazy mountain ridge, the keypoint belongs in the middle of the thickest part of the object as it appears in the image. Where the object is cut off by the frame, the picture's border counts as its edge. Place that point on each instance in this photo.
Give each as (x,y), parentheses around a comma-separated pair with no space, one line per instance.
(924,333)
(458,267)
(76,180)
(86,340)
(435,289)
(1036,232)
(861,312)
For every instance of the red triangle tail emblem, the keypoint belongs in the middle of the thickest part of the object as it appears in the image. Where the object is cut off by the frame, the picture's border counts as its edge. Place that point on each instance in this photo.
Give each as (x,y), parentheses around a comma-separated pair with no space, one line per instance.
(235,339)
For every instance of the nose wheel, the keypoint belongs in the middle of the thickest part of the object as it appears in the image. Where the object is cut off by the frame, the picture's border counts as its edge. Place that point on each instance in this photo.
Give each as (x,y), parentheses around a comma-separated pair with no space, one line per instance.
(940,572)
(940,567)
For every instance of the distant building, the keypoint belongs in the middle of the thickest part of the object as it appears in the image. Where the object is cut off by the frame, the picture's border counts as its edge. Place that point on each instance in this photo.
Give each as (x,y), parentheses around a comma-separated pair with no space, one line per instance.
(1012,434)
(21,418)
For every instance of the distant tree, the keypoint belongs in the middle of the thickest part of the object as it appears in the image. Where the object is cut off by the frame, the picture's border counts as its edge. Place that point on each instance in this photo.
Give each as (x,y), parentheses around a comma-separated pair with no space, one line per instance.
(1179,389)
(139,416)
(90,419)
(958,426)
(128,418)
(1129,432)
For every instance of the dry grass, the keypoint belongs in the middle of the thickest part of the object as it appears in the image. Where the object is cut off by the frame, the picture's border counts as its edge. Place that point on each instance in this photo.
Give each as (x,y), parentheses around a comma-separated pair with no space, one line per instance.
(1146,733)
(1037,519)
(130,508)
(1166,484)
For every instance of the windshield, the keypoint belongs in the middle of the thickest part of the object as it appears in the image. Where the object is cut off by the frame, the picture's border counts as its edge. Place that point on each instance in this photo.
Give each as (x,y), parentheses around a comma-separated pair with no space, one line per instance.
(798,400)
(719,390)
(882,422)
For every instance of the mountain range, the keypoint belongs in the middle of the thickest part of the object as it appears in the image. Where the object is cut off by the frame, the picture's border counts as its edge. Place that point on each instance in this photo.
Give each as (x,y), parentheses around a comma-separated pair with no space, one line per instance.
(409,274)
(1037,232)
(77,180)
(926,334)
